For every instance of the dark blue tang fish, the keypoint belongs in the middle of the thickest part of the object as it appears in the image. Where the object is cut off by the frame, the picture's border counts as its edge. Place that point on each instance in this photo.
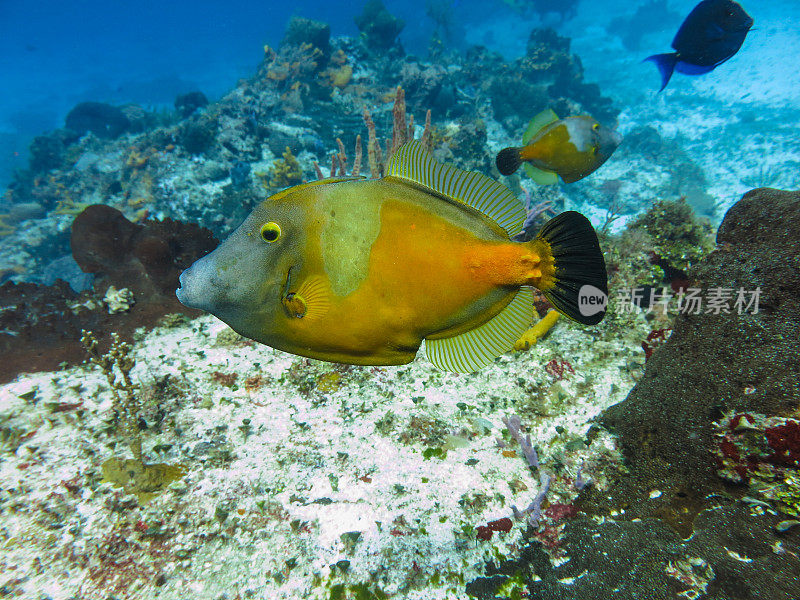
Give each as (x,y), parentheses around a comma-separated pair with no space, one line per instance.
(712,33)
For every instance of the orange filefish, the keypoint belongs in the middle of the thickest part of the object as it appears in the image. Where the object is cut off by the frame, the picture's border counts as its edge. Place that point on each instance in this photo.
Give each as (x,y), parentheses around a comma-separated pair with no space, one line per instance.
(361,271)
(571,148)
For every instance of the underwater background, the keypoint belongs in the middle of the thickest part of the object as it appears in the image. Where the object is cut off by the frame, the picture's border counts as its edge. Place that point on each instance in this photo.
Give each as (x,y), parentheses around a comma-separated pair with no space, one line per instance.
(149,451)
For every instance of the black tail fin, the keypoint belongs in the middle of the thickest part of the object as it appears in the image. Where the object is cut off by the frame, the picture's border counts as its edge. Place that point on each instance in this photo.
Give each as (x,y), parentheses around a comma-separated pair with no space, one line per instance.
(581,289)
(508,160)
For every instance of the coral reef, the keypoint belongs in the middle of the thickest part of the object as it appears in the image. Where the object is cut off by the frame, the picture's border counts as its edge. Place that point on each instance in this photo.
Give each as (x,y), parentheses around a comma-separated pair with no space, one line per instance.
(198,134)
(185,461)
(548,76)
(677,238)
(286,172)
(145,258)
(307,32)
(708,498)
(308,93)
(189,103)
(715,363)
(378,27)
(101,119)
(40,325)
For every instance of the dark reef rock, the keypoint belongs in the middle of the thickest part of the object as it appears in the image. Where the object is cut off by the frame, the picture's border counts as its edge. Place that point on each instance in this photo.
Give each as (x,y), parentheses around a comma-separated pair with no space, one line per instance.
(147,259)
(40,325)
(548,76)
(307,31)
(429,86)
(198,134)
(378,26)
(671,525)
(188,104)
(714,364)
(47,151)
(103,120)
(565,9)
(38,330)
(648,560)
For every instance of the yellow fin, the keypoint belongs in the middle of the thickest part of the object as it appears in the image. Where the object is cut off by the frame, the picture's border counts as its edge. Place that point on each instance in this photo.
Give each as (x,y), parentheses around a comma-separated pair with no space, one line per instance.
(538,331)
(311,301)
(540,176)
(412,163)
(478,347)
(543,119)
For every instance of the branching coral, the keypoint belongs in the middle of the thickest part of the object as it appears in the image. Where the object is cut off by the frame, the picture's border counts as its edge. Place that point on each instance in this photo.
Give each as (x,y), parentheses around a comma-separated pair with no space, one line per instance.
(339,161)
(401,133)
(377,159)
(286,172)
(118,360)
(291,64)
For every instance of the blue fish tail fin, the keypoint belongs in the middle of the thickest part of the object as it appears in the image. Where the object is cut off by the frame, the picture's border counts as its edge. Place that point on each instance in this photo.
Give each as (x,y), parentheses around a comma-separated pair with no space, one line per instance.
(666,65)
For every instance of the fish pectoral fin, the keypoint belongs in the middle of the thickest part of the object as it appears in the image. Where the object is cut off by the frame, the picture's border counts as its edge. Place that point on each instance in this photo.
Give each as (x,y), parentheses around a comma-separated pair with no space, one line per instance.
(540,176)
(476,348)
(537,123)
(311,300)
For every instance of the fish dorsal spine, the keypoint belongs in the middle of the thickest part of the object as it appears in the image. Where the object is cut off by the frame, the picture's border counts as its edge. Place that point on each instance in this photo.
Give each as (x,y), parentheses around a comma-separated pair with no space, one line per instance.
(412,163)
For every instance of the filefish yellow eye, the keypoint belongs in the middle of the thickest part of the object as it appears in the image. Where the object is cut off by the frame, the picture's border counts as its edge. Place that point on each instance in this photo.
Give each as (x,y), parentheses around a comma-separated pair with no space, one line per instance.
(270,232)
(596,126)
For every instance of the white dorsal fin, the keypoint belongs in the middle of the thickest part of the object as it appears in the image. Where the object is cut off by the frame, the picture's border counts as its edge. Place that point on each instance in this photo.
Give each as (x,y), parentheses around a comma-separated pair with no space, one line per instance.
(493,199)
(543,119)
(478,347)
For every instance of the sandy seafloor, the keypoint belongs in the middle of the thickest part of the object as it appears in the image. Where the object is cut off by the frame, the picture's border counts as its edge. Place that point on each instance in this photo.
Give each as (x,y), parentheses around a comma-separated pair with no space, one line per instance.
(329,450)
(267,508)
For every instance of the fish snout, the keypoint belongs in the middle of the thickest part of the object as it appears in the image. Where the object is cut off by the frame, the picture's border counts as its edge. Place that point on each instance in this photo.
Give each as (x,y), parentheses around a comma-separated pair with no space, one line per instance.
(196,286)
(184,291)
(608,141)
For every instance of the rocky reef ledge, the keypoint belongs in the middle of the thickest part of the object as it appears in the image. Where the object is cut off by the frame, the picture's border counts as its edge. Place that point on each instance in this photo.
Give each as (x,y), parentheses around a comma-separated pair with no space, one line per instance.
(711,438)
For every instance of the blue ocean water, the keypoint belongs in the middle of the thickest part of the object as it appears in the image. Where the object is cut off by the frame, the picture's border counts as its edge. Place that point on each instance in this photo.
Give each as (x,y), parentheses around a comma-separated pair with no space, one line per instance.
(54,55)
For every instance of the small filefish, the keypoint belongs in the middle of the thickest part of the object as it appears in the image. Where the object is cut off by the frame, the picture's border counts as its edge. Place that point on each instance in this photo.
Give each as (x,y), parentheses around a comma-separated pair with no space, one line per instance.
(711,34)
(571,148)
(361,271)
